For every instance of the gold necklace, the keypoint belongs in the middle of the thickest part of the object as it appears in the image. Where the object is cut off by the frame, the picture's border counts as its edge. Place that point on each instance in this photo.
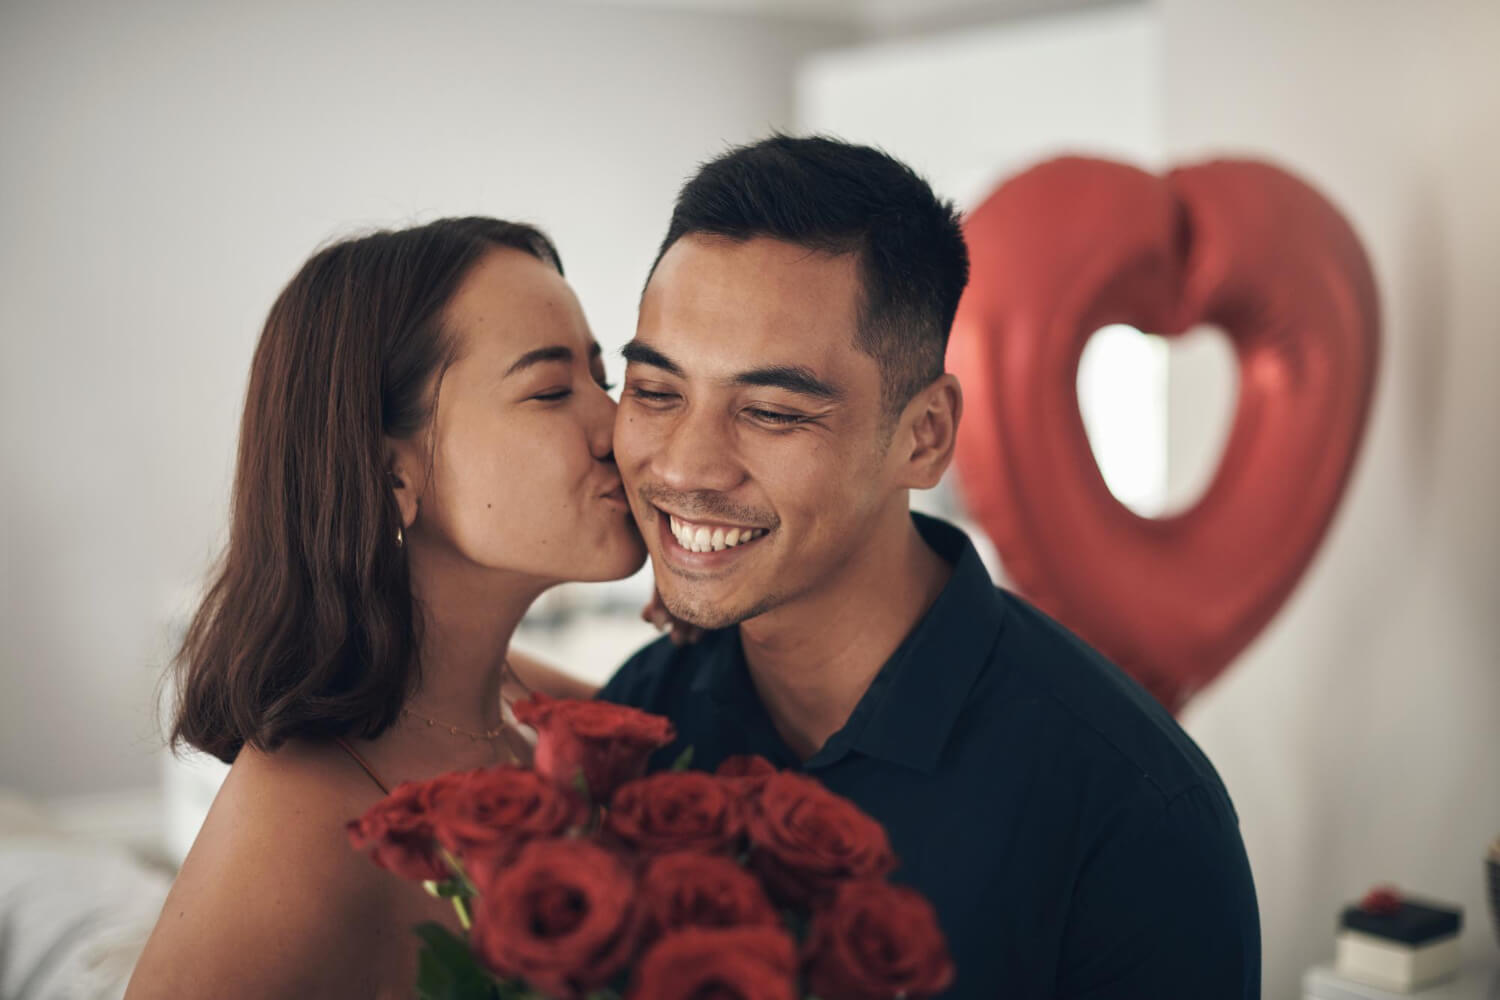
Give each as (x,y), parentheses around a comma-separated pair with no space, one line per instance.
(488,734)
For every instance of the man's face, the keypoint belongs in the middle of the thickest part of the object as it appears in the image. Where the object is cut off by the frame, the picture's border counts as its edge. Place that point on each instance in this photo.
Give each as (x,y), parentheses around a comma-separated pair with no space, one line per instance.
(749,433)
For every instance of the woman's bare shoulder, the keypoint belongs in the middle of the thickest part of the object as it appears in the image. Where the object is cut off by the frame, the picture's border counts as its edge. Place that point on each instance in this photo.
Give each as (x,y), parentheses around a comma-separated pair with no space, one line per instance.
(272,898)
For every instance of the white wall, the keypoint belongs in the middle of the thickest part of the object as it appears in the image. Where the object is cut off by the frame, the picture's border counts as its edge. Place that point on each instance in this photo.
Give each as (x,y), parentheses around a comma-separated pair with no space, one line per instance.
(966,109)
(167,165)
(1359,736)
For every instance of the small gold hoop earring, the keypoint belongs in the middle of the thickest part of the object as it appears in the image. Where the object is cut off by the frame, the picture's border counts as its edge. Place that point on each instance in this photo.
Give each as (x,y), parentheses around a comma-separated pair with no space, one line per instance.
(400,537)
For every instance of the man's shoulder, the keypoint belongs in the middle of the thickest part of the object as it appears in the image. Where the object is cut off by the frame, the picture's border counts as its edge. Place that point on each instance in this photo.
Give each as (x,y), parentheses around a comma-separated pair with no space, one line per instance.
(1107,720)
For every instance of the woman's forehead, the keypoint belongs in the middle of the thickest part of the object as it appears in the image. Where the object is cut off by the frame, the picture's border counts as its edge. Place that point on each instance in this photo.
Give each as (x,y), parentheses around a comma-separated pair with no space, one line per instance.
(512,304)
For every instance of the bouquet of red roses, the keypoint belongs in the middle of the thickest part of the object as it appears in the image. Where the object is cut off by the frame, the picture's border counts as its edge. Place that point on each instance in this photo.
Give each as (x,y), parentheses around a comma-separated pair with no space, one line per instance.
(580,879)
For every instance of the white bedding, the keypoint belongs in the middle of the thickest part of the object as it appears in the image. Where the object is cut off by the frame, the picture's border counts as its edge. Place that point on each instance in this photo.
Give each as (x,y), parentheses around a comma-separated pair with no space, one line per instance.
(74,912)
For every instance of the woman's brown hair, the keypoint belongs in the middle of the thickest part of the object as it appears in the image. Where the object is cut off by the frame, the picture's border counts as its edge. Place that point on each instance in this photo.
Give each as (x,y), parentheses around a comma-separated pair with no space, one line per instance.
(309,628)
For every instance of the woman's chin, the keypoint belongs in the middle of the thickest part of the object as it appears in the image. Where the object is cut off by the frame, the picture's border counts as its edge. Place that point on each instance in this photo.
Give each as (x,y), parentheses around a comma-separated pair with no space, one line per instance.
(616,557)
(628,563)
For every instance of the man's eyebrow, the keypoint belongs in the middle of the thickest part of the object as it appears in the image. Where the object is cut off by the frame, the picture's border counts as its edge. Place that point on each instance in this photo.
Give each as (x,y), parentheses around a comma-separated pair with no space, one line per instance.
(792,378)
(637,353)
(541,355)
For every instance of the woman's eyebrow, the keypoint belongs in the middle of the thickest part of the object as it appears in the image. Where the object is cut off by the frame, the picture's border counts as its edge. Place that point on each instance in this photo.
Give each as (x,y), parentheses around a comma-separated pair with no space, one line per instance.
(557,352)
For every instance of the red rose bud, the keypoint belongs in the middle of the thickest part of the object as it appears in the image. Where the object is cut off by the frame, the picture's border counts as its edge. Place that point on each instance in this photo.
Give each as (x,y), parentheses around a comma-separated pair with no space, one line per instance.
(496,811)
(746,773)
(398,831)
(435,791)
(876,941)
(1381,901)
(608,744)
(804,839)
(689,889)
(751,765)
(744,963)
(561,916)
(678,810)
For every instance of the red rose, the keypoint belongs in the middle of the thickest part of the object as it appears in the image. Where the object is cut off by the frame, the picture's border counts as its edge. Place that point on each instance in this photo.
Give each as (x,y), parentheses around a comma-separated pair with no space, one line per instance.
(741,963)
(1382,901)
(745,773)
(804,839)
(399,829)
(689,889)
(686,810)
(609,744)
(434,791)
(489,814)
(561,917)
(876,941)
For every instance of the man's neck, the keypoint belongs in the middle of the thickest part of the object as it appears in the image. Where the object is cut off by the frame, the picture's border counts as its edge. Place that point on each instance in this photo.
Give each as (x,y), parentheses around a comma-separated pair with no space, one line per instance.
(812,659)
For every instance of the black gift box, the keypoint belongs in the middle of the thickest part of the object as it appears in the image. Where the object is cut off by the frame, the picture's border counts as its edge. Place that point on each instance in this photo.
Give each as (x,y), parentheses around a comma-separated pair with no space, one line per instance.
(1412,924)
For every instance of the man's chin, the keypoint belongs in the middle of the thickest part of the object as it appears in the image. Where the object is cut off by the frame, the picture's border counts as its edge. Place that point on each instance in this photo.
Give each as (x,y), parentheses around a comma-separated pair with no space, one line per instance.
(699,615)
(710,615)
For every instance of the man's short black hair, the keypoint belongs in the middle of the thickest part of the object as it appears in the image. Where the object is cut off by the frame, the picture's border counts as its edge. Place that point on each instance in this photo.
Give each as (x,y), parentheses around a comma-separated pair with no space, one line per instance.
(840,198)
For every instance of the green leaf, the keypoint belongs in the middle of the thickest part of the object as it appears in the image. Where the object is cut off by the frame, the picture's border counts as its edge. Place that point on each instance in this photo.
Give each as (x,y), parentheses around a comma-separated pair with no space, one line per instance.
(447,969)
(684,760)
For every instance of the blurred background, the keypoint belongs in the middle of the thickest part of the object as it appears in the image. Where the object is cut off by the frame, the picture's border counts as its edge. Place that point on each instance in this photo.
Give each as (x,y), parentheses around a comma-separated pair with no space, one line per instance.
(165,167)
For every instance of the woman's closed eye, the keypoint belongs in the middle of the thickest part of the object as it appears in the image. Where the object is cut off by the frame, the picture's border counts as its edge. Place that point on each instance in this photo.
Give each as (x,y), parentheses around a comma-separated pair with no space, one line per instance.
(554,395)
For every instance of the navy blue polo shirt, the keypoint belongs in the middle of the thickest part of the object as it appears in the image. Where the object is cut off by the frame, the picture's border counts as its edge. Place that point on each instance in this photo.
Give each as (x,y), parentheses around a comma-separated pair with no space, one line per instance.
(1075,842)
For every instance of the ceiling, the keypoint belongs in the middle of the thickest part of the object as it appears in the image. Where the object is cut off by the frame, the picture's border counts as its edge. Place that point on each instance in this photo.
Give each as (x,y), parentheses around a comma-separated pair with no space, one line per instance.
(877,17)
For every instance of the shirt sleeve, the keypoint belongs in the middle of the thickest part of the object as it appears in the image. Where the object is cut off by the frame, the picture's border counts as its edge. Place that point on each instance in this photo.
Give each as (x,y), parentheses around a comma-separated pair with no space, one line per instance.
(1166,908)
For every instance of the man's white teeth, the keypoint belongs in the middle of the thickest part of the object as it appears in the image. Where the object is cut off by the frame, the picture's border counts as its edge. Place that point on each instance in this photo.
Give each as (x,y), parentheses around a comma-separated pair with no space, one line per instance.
(701,538)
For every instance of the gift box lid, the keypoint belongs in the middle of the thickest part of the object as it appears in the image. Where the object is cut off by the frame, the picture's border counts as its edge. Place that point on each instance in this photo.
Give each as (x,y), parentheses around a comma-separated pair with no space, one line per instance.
(1407,922)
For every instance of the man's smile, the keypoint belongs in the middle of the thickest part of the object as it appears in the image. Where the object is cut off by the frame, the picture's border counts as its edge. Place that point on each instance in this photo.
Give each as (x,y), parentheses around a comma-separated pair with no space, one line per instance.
(704,544)
(704,536)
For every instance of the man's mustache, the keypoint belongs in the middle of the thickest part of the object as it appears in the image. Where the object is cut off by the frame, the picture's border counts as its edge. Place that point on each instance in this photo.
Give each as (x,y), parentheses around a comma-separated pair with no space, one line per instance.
(708,506)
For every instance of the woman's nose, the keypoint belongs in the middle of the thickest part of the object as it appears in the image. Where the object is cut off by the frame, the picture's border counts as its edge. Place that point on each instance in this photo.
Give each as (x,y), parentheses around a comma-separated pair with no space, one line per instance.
(601,425)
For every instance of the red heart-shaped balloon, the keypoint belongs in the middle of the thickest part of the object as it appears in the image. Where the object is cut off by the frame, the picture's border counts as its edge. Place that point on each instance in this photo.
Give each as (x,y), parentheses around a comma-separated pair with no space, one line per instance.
(1075,244)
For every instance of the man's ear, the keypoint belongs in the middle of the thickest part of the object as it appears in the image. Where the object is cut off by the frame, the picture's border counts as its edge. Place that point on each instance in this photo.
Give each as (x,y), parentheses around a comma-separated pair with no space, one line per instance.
(405,477)
(928,431)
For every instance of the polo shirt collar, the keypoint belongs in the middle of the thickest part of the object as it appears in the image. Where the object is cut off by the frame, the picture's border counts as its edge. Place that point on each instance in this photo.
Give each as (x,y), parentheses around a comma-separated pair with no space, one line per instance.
(909,711)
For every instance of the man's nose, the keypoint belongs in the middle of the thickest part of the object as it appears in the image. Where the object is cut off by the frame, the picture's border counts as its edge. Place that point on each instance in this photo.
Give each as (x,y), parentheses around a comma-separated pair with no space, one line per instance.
(698,453)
